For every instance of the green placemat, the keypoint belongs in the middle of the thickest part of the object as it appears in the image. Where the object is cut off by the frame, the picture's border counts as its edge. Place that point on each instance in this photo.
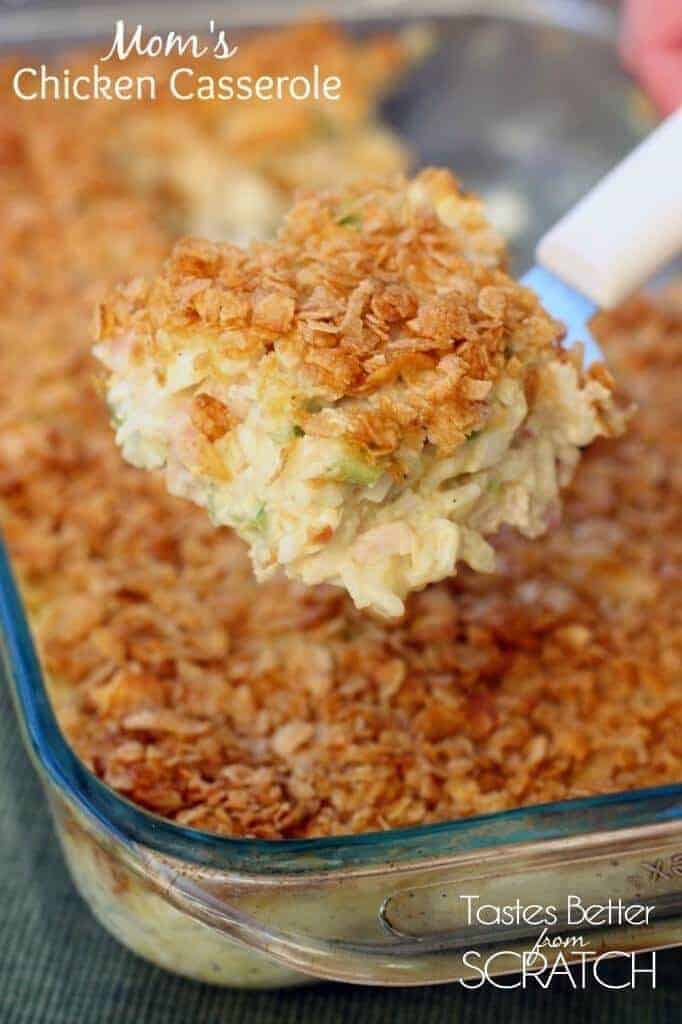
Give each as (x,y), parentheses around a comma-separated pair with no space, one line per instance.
(58,966)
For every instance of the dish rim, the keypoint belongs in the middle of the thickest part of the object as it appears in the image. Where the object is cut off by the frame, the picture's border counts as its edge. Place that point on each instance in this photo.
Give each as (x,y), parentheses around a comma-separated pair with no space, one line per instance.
(76,23)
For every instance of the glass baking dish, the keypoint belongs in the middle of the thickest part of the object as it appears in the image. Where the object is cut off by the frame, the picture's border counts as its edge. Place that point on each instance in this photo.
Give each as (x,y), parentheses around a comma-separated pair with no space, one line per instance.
(382,908)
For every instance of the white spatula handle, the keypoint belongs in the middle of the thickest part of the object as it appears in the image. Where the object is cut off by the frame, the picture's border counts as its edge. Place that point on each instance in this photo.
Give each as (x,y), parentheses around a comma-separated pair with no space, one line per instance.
(628,226)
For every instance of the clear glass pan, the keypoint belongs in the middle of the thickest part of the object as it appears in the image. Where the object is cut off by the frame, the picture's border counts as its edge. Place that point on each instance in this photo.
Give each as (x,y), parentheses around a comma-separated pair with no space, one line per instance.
(381,908)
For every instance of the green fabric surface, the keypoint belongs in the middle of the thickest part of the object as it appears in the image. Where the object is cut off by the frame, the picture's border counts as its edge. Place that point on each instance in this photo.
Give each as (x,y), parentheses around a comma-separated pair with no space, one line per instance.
(58,966)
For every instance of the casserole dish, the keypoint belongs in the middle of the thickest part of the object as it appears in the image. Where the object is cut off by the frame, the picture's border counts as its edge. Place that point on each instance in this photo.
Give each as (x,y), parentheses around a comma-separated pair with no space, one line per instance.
(380,908)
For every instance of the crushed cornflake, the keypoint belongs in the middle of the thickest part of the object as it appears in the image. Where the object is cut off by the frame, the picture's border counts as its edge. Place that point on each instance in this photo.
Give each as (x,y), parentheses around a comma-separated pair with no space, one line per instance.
(412,297)
(275,710)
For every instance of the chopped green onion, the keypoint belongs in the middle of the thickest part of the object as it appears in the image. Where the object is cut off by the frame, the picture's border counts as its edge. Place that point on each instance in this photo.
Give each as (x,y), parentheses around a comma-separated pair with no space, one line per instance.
(350,220)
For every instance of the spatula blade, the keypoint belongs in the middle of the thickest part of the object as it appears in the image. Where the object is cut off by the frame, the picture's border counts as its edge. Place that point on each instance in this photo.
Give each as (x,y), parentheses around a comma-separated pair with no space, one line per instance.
(565,304)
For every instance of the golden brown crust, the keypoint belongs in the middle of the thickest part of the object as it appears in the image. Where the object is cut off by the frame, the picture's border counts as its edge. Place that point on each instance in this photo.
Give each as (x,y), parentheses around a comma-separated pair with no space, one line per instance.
(362,289)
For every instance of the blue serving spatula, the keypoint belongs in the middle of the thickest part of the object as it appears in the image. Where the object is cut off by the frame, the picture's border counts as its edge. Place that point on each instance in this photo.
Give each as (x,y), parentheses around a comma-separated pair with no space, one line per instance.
(615,238)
